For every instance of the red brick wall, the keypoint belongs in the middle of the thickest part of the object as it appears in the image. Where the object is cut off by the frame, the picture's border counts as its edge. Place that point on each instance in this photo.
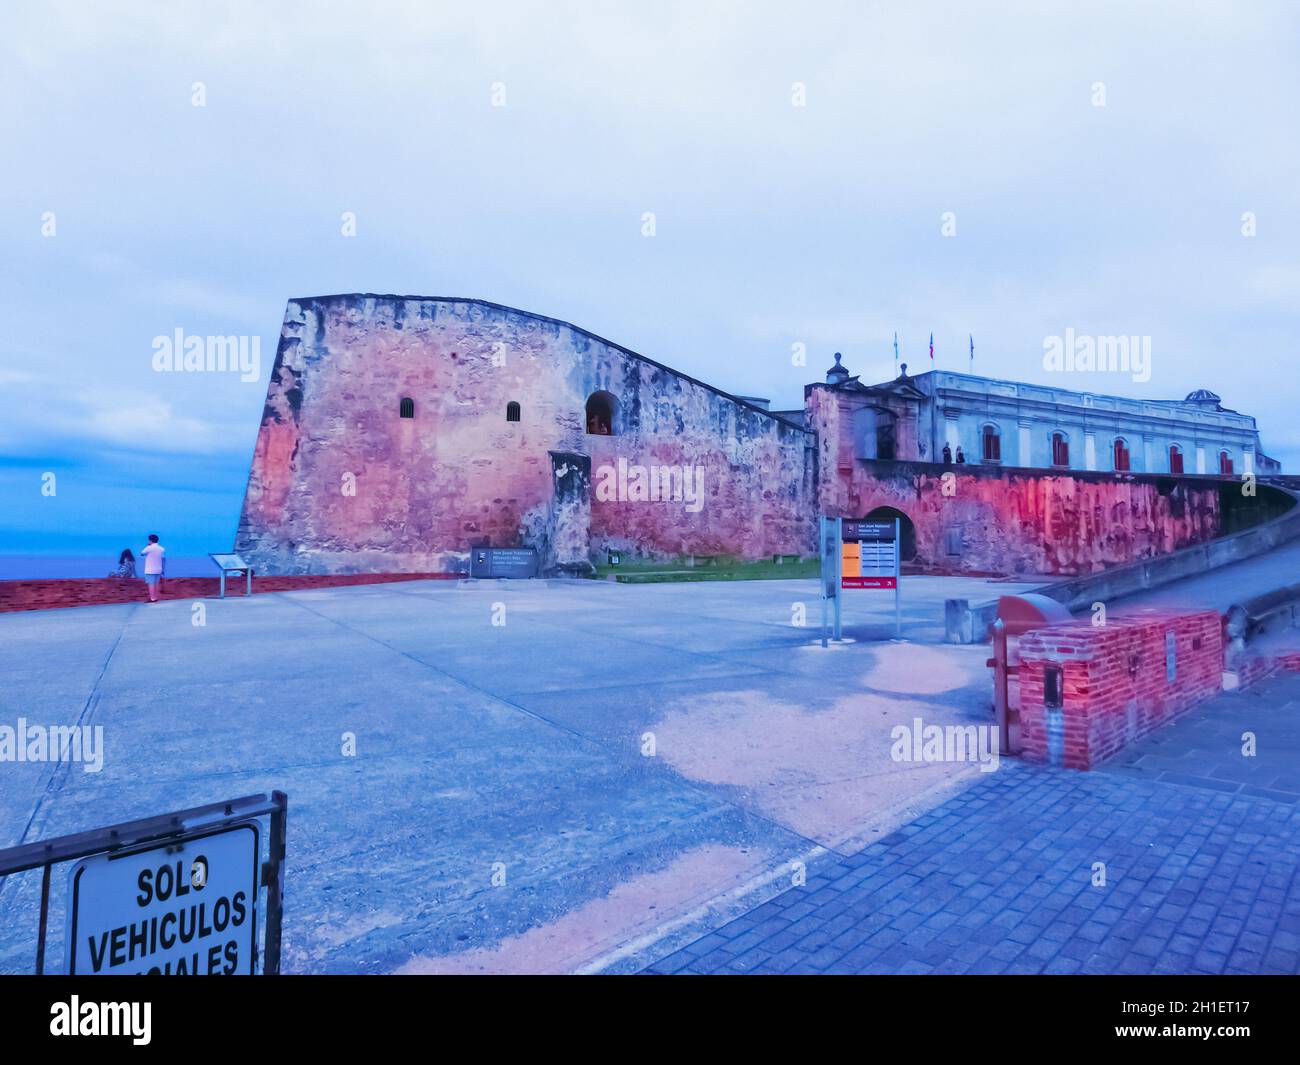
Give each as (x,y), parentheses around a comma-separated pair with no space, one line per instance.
(1115,684)
(46,595)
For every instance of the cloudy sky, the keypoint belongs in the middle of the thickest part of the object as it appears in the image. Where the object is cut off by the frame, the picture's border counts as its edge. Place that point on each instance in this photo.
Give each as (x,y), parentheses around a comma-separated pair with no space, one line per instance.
(775,224)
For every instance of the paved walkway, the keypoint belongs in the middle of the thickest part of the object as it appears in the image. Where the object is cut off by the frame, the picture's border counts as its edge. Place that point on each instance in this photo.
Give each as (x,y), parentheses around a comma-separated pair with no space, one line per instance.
(1220,588)
(1204,748)
(1200,875)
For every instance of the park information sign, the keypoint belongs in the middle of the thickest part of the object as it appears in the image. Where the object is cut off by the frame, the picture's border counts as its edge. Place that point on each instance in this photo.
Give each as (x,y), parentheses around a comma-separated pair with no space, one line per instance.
(869,553)
(182,908)
(858,554)
(518,562)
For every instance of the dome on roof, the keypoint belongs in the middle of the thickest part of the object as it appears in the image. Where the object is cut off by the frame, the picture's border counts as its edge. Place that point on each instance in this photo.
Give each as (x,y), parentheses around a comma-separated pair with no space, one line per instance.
(837,374)
(1201,395)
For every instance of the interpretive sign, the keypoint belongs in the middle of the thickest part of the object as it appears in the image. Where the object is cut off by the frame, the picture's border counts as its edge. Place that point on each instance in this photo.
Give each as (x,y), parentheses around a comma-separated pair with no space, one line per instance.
(503,562)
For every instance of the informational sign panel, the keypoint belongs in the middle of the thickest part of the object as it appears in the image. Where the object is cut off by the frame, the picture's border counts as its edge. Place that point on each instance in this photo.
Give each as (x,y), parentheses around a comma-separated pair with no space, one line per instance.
(230,563)
(869,554)
(503,562)
(184,908)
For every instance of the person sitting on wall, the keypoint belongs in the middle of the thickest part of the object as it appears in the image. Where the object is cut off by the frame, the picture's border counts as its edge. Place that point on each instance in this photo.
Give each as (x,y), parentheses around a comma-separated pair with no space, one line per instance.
(947,455)
(960,457)
(125,564)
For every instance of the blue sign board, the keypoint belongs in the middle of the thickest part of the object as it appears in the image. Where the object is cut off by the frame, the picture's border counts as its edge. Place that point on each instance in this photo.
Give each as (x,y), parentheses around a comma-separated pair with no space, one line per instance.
(184,908)
(503,562)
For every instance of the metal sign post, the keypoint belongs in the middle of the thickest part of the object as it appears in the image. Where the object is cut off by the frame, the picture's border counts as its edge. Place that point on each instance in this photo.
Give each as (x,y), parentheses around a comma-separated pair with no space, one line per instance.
(137,884)
(829,536)
(898,582)
(838,533)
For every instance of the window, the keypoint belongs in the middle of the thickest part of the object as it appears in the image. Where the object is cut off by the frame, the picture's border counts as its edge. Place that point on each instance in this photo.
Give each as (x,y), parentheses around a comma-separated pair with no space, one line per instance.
(1175,459)
(407,407)
(1060,449)
(601,410)
(991,448)
(1225,463)
(1121,455)
(512,411)
(885,442)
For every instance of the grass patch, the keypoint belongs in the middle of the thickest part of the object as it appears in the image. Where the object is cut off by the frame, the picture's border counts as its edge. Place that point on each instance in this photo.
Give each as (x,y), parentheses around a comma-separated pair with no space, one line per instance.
(720,569)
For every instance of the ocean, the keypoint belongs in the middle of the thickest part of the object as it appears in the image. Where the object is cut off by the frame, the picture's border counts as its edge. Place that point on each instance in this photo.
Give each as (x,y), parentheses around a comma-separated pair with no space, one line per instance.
(48,567)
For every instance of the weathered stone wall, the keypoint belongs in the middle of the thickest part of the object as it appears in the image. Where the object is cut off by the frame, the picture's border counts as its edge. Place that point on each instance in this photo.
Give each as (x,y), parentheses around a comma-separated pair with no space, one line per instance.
(426,488)
(1012,520)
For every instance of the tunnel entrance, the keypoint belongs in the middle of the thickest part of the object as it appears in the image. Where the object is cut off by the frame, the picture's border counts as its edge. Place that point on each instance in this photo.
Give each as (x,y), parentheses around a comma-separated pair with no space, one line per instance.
(906,530)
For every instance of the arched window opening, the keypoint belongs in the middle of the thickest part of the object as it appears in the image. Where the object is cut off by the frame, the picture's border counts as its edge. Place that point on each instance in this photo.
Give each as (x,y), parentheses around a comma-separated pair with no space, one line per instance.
(1225,463)
(991,444)
(1122,460)
(1175,459)
(407,407)
(1060,449)
(512,411)
(601,409)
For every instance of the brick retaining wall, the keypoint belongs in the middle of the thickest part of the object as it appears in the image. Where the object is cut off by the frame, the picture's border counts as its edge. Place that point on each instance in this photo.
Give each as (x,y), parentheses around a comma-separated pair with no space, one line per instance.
(50,594)
(1115,687)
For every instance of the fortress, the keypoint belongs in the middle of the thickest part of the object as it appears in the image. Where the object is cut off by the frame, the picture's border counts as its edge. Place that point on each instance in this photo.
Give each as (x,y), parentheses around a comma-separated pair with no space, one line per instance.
(400,431)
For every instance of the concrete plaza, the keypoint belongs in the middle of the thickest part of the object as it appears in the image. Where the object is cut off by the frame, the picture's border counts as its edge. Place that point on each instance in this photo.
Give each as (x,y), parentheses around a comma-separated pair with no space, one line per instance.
(546,777)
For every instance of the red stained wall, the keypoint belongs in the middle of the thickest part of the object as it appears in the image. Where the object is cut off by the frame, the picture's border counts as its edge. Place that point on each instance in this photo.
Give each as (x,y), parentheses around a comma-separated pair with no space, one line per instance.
(1011,520)
(458,473)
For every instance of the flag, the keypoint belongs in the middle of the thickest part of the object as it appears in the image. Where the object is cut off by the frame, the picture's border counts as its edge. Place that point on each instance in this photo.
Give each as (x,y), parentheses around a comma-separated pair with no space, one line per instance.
(932,347)
(895,352)
(972,351)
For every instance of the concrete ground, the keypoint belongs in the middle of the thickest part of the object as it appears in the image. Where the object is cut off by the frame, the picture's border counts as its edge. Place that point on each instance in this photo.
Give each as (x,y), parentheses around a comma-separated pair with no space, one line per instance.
(580,784)
(1182,856)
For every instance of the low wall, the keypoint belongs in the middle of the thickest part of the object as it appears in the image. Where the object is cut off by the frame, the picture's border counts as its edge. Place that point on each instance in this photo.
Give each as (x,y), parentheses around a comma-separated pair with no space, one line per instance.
(52,594)
(1115,682)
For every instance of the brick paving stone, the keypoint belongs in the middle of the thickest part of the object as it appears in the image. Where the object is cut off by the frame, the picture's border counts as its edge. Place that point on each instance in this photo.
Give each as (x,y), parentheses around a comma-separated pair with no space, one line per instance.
(999,879)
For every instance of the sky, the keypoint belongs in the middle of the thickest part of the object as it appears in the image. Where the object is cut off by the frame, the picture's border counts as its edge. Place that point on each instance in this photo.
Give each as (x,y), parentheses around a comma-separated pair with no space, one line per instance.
(824,174)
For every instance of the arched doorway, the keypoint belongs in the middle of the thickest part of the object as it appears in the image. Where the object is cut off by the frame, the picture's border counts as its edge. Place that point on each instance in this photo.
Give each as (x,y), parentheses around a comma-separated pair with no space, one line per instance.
(906,530)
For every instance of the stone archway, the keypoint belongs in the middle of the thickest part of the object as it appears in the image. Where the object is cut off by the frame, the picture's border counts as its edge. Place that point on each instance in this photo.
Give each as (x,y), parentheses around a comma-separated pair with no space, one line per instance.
(906,530)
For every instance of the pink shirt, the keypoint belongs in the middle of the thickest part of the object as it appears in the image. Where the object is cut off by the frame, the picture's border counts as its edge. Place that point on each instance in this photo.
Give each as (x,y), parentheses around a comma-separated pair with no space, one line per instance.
(153,558)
